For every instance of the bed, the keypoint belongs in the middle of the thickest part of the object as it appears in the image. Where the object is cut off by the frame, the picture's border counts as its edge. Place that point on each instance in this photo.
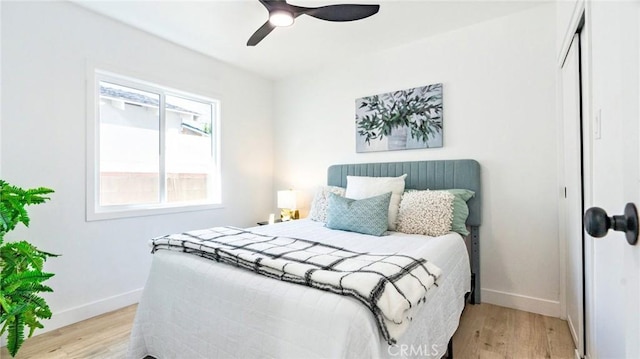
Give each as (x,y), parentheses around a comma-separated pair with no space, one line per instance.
(193,307)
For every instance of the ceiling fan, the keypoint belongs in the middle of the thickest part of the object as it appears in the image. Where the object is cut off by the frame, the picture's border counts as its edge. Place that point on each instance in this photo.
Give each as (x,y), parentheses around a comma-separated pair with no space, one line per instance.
(283,14)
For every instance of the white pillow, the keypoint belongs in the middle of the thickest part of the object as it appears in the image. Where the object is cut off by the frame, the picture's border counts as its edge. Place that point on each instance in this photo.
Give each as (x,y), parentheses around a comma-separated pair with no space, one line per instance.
(366,187)
(426,212)
(318,211)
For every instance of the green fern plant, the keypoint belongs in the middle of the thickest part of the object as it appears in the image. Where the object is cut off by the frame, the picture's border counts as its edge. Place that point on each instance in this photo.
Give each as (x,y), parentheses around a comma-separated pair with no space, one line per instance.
(21,263)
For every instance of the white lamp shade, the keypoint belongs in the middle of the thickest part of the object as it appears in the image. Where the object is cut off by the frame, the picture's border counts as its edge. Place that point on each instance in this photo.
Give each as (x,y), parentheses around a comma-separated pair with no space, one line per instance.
(287,199)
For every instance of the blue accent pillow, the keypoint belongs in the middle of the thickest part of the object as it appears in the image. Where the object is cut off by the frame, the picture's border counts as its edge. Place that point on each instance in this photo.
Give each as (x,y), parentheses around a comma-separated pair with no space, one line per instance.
(367,216)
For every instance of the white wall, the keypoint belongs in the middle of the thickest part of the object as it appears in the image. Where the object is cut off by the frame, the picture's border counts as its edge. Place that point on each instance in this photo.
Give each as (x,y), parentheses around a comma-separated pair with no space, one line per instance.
(46,47)
(499,108)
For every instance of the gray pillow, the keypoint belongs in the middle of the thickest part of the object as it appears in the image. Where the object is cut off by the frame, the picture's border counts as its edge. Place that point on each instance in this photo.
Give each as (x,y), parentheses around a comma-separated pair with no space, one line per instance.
(318,211)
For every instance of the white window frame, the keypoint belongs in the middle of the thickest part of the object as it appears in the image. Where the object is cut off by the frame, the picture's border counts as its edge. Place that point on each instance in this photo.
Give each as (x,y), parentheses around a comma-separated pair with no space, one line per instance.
(94,211)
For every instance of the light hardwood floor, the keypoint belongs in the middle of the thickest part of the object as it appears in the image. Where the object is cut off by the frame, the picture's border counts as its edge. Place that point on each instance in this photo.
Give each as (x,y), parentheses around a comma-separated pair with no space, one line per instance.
(489,331)
(486,331)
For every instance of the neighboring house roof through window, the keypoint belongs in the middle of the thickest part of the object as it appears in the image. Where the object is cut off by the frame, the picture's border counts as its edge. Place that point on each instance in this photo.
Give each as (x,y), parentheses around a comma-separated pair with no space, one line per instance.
(139,99)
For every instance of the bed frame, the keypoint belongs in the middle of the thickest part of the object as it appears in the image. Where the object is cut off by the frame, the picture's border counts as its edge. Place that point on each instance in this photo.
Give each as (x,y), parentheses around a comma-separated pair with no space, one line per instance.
(434,175)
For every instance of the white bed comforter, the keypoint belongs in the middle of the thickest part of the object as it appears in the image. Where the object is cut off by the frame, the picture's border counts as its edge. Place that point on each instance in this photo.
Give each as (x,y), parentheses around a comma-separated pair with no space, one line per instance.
(195,308)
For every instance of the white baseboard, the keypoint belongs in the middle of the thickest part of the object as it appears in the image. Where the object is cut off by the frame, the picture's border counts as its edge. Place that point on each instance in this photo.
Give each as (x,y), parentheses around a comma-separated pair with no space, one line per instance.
(522,302)
(85,311)
(573,333)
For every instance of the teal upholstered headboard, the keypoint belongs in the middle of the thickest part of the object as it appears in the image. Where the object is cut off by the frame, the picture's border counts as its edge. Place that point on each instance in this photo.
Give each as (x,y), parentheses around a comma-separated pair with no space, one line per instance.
(434,175)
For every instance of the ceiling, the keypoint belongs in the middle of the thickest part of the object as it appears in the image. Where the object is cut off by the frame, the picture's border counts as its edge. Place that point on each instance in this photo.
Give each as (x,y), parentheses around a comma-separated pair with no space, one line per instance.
(221,28)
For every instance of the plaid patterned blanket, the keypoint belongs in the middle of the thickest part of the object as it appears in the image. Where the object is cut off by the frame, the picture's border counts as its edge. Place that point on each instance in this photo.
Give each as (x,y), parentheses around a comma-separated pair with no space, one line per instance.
(390,285)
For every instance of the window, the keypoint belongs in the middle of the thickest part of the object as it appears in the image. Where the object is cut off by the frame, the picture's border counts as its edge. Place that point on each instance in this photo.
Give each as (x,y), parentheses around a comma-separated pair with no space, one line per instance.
(154,149)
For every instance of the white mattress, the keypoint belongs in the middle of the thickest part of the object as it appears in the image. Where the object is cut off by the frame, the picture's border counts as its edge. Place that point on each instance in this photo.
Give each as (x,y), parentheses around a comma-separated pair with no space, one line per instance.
(195,308)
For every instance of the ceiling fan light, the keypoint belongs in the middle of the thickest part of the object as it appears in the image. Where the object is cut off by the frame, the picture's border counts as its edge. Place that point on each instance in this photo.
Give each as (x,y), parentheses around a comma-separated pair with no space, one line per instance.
(280,18)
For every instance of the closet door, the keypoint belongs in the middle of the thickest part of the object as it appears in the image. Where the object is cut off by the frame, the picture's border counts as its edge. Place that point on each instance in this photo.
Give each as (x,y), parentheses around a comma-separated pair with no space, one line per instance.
(573,201)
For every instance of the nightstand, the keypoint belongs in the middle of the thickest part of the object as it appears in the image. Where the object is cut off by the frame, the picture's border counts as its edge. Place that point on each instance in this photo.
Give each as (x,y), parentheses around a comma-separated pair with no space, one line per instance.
(264,223)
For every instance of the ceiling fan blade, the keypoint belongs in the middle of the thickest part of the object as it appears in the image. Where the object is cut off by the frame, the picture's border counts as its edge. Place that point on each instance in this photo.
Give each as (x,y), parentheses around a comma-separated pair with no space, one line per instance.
(260,34)
(340,12)
(271,4)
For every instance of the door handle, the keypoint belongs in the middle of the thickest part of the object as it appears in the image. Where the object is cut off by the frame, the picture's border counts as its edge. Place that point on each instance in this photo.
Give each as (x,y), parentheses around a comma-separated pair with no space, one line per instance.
(597,223)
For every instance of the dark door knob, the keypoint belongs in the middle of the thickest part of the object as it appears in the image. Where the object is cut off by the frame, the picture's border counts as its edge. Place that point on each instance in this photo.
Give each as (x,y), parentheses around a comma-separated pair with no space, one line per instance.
(597,223)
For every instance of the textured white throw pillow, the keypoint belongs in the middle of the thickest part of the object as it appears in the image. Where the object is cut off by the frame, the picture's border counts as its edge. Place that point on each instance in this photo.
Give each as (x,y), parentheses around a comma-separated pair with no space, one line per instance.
(365,187)
(318,211)
(426,212)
